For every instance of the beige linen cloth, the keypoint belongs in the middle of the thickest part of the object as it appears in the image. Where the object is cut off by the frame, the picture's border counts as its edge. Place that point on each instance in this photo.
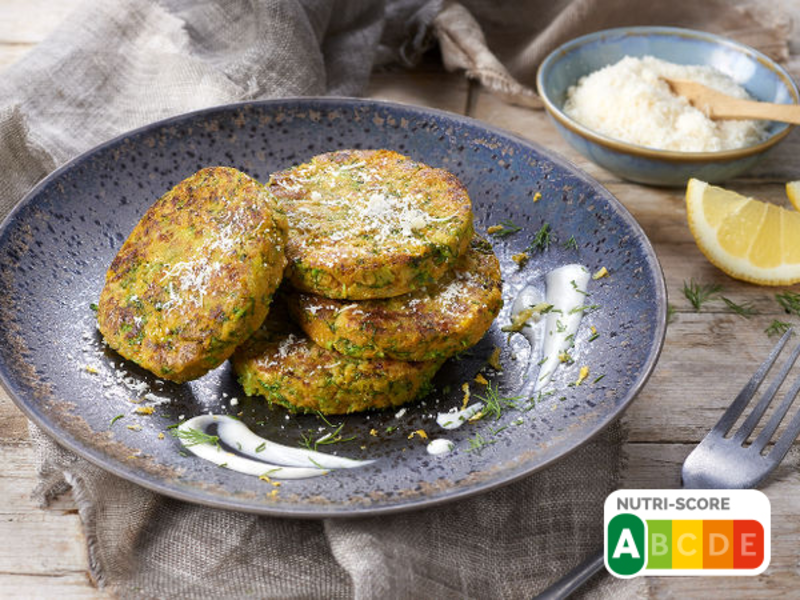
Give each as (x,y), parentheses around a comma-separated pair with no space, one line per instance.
(115,66)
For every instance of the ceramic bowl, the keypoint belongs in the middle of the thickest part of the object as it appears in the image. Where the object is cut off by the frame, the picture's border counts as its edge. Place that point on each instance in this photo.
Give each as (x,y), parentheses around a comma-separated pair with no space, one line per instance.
(763,79)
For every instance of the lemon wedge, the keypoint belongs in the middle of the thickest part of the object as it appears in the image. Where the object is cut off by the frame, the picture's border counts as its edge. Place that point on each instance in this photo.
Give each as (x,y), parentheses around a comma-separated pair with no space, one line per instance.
(748,239)
(793,192)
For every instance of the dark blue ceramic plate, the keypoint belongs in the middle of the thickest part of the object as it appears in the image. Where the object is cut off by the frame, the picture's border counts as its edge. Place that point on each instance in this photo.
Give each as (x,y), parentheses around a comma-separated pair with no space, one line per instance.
(56,246)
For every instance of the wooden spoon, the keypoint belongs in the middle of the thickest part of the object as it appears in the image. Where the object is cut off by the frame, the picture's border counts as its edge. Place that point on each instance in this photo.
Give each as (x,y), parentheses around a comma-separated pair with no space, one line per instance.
(721,106)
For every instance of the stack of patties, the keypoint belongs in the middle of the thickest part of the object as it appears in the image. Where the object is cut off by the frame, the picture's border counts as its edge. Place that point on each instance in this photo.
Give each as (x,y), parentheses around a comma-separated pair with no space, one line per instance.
(387,281)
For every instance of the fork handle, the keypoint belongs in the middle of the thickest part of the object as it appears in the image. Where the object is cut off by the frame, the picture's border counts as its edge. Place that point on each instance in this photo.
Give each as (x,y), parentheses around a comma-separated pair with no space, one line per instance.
(574,579)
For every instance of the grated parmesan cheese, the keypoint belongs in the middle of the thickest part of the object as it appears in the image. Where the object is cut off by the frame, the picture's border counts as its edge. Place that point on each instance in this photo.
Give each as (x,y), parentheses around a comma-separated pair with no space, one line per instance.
(628,101)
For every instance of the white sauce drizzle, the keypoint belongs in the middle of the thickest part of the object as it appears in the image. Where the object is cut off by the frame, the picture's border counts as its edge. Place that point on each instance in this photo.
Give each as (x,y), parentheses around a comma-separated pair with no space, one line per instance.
(550,337)
(566,291)
(529,297)
(456,418)
(440,446)
(267,458)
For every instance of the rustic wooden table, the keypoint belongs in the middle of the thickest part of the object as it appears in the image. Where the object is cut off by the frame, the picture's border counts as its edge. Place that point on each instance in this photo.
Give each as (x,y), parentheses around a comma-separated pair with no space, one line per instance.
(707,356)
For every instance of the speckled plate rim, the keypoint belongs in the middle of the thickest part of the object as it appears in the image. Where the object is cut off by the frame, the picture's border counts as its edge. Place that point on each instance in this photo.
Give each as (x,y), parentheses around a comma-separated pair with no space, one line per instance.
(99,459)
(645,151)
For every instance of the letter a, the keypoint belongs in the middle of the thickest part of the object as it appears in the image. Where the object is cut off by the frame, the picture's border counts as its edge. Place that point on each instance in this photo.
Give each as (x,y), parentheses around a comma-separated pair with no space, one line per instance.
(626,545)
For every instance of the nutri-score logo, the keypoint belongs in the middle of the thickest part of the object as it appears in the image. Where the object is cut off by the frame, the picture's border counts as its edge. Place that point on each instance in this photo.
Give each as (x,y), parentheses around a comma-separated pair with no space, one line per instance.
(687,532)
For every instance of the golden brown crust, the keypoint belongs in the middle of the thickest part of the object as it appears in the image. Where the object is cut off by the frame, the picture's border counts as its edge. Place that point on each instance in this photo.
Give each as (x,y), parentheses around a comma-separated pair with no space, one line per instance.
(371,223)
(196,275)
(280,363)
(429,324)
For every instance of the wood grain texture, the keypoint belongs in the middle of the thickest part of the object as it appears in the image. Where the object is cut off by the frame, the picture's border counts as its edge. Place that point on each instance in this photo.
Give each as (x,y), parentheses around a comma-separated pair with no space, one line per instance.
(707,357)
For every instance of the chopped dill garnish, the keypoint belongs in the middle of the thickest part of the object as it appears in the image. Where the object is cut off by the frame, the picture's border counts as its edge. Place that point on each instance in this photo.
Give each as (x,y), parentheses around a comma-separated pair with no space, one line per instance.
(391,428)
(261,446)
(307,441)
(560,327)
(594,336)
(504,229)
(743,310)
(777,328)
(575,287)
(670,312)
(571,243)
(494,403)
(321,416)
(478,442)
(790,302)
(698,294)
(329,438)
(194,437)
(584,308)
(115,419)
(541,241)
(94,307)
(597,379)
(316,464)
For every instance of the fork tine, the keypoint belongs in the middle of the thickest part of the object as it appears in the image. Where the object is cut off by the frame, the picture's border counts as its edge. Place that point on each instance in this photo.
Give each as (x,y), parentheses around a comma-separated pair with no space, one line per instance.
(772,425)
(766,399)
(786,440)
(743,399)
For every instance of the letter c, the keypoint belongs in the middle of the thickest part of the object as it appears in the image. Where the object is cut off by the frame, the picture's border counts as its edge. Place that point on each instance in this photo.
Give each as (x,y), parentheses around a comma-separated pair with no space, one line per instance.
(680,544)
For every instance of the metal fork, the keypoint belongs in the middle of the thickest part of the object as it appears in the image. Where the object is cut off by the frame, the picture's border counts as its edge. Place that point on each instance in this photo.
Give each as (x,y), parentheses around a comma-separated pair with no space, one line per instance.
(720,461)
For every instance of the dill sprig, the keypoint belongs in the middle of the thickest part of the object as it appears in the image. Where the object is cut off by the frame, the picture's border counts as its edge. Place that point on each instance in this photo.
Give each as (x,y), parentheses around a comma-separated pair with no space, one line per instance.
(542,239)
(571,243)
(504,229)
(583,308)
(790,302)
(494,403)
(194,437)
(577,289)
(743,310)
(115,419)
(670,312)
(698,294)
(777,328)
(333,438)
(307,441)
(322,416)
(478,442)
(327,439)
(316,464)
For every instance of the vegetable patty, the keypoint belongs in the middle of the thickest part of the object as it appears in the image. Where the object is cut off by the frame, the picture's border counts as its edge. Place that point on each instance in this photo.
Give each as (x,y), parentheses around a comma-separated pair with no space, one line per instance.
(196,275)
(433,323)
(284,366)
(371,223)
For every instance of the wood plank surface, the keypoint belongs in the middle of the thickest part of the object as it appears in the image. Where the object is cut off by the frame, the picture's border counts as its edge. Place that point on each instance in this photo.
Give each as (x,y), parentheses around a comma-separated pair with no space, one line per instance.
(707,356)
